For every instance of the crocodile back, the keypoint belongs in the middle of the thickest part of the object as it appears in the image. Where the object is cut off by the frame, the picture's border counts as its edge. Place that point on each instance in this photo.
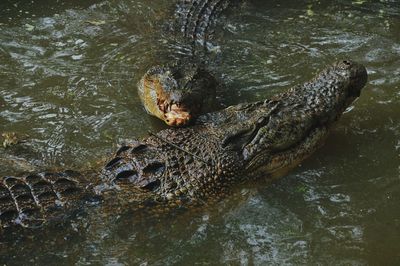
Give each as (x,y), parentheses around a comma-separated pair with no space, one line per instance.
(197,18)
(181,86)
(31,200)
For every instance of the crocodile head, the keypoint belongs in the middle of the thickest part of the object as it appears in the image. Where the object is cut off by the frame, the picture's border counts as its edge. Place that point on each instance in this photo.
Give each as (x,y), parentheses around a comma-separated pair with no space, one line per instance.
(281,132)
(176,94)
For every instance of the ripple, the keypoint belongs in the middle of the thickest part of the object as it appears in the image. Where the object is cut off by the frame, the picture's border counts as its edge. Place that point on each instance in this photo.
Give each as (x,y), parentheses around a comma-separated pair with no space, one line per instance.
(67,79)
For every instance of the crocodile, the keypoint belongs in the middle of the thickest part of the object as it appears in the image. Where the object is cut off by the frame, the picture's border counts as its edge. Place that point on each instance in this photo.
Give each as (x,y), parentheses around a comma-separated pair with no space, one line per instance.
(178,92)
(179,166)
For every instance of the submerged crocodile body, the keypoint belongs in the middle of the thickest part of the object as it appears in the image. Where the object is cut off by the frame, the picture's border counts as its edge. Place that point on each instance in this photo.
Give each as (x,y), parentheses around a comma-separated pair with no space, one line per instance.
(178,92)
(177,166)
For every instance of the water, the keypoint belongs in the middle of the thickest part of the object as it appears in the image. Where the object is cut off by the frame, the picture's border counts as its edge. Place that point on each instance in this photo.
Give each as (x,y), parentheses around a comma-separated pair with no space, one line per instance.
(67,86)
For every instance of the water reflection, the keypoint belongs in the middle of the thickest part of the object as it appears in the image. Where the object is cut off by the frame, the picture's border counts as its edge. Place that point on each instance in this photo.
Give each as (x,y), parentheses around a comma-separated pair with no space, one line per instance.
(67,80)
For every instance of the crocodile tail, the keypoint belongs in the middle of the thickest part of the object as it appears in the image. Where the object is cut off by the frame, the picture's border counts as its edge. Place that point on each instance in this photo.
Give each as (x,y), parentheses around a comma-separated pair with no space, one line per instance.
(32,200)
(197,17)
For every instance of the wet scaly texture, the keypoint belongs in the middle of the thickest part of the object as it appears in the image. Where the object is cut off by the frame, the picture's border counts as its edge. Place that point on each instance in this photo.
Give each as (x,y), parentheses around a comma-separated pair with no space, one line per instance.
(179,91)
(341,205)
(201,162)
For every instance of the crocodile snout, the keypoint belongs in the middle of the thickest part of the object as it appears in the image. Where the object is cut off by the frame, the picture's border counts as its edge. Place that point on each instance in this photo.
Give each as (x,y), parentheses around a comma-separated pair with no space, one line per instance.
(358,76)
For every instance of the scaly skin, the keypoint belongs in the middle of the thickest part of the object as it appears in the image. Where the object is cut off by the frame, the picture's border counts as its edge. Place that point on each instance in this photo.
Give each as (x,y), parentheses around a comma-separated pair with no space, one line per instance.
(179,92)
(194,164)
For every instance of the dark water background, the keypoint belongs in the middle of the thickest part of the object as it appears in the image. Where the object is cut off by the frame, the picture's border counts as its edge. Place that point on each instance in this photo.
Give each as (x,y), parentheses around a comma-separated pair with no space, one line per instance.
(67,84)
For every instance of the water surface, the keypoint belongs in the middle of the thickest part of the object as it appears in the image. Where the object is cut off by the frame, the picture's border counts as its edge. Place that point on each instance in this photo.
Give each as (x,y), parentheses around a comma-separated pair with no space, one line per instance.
(67,85)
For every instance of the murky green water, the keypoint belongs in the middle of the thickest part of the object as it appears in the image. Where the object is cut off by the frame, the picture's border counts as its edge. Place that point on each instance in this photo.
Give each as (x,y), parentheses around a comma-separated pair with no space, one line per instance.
(67,84)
